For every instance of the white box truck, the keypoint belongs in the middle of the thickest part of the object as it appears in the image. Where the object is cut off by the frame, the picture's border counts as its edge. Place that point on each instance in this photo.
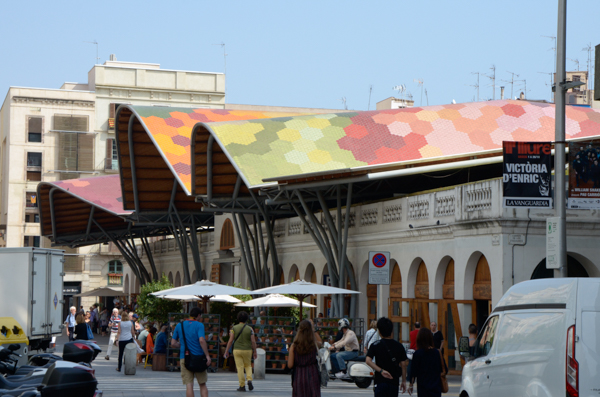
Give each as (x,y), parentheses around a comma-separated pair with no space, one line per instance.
(541,340)
(31,292)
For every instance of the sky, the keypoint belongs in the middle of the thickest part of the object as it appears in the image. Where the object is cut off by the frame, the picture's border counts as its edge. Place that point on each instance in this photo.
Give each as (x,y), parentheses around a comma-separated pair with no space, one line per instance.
(303,53)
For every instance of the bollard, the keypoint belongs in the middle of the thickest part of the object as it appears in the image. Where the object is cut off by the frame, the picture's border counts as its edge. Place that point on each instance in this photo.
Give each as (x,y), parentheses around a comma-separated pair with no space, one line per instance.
(260,364)
(130,358)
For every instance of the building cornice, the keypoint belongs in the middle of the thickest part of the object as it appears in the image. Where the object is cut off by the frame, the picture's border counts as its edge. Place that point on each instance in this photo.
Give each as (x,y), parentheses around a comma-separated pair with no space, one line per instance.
(54,101)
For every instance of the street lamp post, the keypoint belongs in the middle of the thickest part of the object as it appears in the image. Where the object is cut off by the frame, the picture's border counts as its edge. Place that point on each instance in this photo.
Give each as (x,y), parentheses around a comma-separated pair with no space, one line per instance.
(559,146)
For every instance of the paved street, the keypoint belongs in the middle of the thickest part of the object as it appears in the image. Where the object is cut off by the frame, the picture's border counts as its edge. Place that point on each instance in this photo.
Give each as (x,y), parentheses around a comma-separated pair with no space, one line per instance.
(221,384)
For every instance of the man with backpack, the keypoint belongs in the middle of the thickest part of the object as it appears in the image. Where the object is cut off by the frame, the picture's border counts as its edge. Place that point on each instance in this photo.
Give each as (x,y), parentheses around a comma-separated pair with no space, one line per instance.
(389,363)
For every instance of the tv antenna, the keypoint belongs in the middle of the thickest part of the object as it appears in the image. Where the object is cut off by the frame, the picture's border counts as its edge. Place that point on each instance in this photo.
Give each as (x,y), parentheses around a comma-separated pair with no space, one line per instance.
(575,61)
(96,44)
(344,102)
(512,82)
(551,84)
(476,85)
(524,81)
(224,64)
(553,38)
(370,92)
(493,78)
(589,49)
(420,84)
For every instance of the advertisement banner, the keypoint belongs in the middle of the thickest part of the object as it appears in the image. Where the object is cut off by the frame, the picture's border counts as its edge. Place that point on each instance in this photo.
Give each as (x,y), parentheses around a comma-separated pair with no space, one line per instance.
(584,175)
(527,175)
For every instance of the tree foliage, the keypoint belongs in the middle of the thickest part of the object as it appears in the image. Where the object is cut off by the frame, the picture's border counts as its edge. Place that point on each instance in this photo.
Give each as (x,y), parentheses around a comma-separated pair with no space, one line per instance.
(153,307)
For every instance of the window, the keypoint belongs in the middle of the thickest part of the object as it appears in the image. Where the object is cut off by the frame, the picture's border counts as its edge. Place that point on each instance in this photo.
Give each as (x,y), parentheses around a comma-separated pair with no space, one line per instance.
(112,107)
(31,241)
(31,200)
(115,273)
(34,166)
(112,157)
(34,129)
(32,218)
(486,338)
(576,78)
(76,147)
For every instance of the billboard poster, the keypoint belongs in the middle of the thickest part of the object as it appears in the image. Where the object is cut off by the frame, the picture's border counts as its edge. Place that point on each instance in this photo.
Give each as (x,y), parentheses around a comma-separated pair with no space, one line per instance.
(584,175)
(527,174)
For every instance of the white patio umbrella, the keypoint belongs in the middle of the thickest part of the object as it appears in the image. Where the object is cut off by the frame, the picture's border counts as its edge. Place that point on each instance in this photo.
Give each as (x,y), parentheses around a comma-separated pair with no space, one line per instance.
(204,290)
(193,298)
(301,289)
(274,300)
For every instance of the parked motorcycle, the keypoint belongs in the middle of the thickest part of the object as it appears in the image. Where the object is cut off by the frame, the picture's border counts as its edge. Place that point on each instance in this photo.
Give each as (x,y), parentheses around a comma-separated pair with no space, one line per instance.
(358,372)
(58,378)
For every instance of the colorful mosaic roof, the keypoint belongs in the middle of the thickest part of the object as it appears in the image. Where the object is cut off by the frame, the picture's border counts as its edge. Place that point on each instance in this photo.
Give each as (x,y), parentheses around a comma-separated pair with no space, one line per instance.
(285,146)
(100,191)
(171,130)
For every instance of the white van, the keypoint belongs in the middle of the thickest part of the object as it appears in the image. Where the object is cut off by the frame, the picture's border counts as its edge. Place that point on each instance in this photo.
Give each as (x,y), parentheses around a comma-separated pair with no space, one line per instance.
(542,339)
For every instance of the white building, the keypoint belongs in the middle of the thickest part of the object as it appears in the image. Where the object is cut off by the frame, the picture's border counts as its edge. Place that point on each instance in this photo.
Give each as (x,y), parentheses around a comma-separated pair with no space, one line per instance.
(55,134)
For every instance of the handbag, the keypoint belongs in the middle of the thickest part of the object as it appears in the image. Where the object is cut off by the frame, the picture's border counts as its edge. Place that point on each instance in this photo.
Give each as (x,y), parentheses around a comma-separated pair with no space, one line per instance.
(90,334)
(193,363)
(236,338)
(443,379)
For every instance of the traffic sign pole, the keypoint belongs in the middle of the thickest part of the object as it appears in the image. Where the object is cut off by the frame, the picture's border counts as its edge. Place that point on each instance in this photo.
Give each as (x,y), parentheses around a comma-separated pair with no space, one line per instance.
(379,273)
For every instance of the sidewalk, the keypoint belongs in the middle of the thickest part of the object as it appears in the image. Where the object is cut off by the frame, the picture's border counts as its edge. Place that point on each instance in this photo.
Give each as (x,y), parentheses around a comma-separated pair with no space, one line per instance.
(148,383)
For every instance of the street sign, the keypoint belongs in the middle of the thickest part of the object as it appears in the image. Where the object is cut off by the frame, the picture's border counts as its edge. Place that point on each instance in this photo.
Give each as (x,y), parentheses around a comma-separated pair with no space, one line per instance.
(379,267)
(552,229)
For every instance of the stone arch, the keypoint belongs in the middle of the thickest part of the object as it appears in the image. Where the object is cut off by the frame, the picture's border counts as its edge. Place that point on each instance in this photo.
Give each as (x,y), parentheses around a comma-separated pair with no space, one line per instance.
(126,285)
(310,274)
(422,282)
(294,273)
(227,236)
(194,277)
(482,282)
(411,279)
(170,277)
(469,275)
(574,268)
(177,280)
(396,281)
(444,279)
(136,288)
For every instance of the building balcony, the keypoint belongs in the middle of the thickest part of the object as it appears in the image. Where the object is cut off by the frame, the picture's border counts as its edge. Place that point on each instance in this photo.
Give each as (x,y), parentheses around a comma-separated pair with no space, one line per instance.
(115,279)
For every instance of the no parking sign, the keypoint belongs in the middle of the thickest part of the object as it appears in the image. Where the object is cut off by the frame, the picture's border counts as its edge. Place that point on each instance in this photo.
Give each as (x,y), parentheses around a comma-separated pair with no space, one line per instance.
(379,267)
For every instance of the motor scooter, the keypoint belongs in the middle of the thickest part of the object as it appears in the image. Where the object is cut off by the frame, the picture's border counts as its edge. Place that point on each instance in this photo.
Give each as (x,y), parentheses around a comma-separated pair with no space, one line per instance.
(358,372)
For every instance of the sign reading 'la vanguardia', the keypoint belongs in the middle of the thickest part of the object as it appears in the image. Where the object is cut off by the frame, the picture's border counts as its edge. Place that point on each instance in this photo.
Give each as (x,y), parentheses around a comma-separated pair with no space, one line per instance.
(526,177)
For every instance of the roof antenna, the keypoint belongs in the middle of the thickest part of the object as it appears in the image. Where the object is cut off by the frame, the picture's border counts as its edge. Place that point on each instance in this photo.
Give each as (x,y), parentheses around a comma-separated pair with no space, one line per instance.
(476,85)
(97,57)
(344,102)
(420,84)
(224,65)
(370,91)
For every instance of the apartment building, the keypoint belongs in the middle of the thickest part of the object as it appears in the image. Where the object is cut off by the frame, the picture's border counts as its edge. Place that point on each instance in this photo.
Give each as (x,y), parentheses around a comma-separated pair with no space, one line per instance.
(51,134)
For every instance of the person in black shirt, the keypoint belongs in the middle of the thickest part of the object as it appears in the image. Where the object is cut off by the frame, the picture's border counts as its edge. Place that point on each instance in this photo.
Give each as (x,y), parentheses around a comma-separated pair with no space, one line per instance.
(390,361)
(81,328)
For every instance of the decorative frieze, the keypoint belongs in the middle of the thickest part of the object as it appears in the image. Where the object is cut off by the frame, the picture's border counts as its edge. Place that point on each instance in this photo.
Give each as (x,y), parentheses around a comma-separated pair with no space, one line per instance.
(294,227)
(418,209)
(392,213)
(445,206)
(54,101)
(479,198)
(369,217)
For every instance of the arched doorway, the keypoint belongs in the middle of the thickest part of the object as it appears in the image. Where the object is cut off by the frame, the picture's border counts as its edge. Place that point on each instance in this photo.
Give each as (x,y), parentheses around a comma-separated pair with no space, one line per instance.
(224,273)
(311,275)
(170,277)
(177,280)
(194,277)
(574,269)
(294,274)
(395,309)
(482,292)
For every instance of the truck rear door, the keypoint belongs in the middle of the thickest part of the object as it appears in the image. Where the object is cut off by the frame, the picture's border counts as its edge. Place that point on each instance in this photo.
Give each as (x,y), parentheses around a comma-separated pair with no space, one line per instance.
(39,296)
(587,347)
(55,279)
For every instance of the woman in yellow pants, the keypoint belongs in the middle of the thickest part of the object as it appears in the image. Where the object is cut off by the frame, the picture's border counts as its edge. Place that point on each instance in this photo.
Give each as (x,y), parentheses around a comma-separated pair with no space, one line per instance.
(244,348)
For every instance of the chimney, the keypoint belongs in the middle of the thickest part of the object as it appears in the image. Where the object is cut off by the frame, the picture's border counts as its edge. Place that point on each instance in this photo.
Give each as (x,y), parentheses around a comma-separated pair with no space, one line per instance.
(522,96)
(113,57)
(501,92)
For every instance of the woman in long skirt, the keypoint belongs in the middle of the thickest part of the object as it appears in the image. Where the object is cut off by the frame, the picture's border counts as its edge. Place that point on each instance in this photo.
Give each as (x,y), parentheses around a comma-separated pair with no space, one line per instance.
(302,358)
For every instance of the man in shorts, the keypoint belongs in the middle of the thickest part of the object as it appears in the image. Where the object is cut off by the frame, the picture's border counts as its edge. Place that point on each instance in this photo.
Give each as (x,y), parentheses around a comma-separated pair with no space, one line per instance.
(196,344)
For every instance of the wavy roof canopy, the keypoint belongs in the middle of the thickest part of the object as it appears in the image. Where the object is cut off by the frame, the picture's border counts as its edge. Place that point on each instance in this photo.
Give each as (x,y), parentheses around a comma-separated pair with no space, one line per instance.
(285,148)
(72,201)
(162,152)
